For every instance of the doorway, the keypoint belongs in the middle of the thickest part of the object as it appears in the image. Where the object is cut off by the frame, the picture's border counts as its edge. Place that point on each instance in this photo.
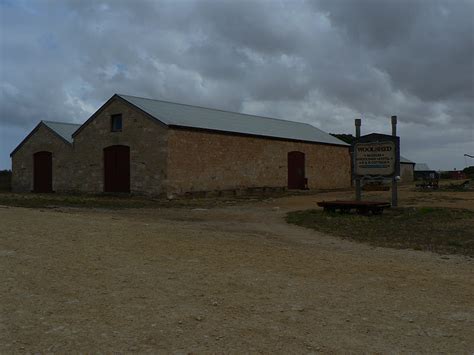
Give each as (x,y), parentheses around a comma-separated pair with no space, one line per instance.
(117,168)
(296,170)
(43,172)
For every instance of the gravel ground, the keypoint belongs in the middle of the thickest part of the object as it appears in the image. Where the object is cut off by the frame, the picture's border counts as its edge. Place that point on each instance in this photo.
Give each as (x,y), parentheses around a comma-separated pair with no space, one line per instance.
(228,279)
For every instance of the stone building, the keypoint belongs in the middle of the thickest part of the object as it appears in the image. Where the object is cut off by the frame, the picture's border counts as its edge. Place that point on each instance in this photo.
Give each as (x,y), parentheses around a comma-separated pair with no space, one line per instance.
(145,146)
(406,170)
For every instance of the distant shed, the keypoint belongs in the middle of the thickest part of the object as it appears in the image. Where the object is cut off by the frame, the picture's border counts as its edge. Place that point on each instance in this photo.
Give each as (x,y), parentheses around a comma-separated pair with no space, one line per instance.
(423,171)
(407,168)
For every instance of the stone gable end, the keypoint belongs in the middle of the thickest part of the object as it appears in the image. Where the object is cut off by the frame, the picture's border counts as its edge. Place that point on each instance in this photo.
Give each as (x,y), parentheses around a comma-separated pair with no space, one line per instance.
(22,160)
(146,137)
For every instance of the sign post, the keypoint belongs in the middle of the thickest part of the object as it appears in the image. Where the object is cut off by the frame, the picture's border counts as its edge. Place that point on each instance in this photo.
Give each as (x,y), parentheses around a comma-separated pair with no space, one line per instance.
(394,178)
(358,123)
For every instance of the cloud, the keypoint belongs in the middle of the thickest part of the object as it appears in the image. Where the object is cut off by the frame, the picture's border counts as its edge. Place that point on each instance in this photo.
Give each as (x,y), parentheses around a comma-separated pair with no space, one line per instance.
(426,48)
(323,62)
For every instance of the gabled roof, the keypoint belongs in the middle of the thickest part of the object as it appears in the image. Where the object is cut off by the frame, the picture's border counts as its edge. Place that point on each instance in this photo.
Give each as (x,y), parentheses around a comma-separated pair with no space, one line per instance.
(404,160)
(181,115)
(63,130)
(422,167)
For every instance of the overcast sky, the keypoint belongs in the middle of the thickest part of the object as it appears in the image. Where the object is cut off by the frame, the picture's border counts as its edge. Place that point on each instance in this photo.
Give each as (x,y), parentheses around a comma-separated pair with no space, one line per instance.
(322,62)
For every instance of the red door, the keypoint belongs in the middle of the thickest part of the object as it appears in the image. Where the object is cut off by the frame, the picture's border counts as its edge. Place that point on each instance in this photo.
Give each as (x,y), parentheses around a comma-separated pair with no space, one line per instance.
(43,172)
(296,173)
(117,168)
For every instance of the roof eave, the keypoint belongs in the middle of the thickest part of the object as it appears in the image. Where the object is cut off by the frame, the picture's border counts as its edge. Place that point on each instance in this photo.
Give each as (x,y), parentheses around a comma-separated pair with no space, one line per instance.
(255,135)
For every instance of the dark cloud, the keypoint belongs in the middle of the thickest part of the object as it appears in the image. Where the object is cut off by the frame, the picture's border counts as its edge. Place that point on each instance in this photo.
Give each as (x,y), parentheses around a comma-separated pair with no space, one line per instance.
(426,47)
(373,23)
(323,62)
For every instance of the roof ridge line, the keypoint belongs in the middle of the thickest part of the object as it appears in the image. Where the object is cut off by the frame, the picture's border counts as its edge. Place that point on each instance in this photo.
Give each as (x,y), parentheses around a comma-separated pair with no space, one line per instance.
(61,122)
(217,109)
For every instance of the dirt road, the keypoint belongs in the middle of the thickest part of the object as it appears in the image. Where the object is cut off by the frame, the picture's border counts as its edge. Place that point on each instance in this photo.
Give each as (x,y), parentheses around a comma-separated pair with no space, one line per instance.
(229,279)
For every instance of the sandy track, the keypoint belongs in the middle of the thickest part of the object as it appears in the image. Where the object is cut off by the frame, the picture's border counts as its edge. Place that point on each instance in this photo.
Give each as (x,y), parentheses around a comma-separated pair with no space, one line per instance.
(229,279)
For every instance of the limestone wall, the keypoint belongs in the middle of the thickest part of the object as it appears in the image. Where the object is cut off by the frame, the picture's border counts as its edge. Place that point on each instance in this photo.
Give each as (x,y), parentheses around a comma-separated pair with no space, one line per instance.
(206,161)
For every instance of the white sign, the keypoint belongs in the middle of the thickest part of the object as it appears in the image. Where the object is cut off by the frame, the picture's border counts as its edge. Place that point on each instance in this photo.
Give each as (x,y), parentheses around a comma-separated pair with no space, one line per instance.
(376,158)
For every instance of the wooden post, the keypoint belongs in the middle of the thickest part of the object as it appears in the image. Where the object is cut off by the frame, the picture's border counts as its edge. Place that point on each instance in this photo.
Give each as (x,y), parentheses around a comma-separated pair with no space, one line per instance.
(394,180)
(358,192)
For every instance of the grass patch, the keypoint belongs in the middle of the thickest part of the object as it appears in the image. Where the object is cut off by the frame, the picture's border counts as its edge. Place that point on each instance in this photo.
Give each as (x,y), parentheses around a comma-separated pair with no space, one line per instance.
(441,230)
(97,201)
(54,200)
(58,200)
(118,201)
(465,185)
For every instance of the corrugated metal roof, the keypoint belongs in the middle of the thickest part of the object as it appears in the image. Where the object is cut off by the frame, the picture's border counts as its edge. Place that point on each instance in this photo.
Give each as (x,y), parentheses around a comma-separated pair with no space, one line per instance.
(422,167)
(63,129)
(405,160)
(175,114)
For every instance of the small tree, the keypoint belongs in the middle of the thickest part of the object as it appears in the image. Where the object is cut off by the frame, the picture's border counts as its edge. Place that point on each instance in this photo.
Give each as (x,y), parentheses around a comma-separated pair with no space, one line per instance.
(469,171)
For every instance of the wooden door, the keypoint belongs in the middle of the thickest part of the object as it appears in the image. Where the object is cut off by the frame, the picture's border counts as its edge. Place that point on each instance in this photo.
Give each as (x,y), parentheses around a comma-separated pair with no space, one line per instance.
(43,172)
(296,170)
(117,169)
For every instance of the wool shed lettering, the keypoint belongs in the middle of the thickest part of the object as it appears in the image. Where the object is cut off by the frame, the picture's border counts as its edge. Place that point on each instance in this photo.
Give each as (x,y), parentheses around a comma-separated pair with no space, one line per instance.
(375,158)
